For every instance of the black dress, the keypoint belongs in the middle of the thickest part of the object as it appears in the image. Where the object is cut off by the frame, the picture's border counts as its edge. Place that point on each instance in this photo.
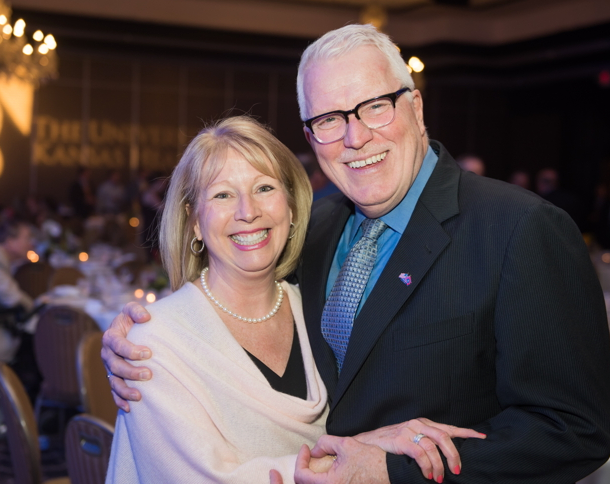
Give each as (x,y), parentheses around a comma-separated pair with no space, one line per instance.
(293,381)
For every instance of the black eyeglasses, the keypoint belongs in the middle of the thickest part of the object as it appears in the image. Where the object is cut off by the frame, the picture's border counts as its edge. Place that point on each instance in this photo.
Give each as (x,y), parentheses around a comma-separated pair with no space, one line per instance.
(373,113)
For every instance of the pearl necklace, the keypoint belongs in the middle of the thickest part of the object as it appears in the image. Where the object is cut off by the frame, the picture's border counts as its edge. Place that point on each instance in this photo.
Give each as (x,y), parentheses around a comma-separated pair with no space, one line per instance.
(278,303)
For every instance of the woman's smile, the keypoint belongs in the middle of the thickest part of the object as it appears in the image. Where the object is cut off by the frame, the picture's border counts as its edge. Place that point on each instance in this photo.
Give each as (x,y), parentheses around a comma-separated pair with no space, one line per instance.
(252,240)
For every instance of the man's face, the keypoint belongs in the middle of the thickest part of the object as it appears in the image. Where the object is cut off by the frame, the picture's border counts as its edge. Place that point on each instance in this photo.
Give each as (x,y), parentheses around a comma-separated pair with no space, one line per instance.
(17,247)
(341,83)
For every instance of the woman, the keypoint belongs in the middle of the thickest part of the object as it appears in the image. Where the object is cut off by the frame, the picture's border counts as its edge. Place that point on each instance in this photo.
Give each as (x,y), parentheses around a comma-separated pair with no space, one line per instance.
(235,386)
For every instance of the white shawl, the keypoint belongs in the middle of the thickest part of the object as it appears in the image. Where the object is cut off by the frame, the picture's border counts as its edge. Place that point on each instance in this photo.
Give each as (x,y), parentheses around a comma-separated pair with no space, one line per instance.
(209,414)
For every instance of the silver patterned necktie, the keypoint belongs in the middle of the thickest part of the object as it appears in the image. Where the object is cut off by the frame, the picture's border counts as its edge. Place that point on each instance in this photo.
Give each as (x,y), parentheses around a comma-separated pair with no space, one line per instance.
(342,304)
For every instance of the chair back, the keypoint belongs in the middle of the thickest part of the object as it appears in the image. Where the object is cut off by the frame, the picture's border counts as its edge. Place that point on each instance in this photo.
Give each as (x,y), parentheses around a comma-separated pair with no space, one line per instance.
(33,278)
(96,398)
(88,443)
(59,331)
(65,276)
(22,435)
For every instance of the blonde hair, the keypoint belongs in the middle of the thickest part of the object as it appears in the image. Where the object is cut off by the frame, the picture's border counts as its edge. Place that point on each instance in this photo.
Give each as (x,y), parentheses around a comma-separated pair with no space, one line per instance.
(346,39)
(202,160)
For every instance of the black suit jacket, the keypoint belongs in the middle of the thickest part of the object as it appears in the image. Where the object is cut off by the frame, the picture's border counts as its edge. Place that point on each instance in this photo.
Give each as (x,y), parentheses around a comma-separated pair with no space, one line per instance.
(503,329)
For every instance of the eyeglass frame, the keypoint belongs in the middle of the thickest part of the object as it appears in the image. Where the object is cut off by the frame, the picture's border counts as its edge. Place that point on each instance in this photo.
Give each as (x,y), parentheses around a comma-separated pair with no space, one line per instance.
(393,96)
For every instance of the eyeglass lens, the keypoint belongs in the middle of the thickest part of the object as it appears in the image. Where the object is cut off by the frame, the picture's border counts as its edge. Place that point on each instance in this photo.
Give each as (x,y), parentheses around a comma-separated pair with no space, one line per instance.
(374,114)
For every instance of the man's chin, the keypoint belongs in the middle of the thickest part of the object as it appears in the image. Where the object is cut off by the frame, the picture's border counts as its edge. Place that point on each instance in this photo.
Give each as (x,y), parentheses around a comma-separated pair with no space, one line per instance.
(374,208)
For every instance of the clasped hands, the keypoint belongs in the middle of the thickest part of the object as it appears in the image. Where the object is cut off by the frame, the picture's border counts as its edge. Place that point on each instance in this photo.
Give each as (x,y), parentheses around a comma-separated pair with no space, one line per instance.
(361,459)
(358,459)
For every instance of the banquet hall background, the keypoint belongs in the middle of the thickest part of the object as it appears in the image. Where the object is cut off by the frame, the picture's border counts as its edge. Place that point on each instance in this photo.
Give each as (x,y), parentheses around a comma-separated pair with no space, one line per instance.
(522,84)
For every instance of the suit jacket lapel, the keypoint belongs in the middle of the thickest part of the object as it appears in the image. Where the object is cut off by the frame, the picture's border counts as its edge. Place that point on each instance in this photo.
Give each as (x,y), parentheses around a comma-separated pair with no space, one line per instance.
(420,245)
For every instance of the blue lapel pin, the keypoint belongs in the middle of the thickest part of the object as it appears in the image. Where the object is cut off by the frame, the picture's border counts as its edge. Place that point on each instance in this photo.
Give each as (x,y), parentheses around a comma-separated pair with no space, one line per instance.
(406,278)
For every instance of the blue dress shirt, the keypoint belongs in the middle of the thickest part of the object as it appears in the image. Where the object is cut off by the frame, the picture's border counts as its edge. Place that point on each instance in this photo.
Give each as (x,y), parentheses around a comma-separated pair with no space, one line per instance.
(396,220)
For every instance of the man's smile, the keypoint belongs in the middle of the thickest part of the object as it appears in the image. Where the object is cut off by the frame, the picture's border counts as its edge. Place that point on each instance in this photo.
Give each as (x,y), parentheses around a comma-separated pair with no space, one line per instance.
(369,161)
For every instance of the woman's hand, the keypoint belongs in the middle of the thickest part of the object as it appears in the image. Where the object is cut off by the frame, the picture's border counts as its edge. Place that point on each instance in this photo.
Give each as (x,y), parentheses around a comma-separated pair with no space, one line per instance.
(322,464)
(315,465)
(401,439)
(116,347)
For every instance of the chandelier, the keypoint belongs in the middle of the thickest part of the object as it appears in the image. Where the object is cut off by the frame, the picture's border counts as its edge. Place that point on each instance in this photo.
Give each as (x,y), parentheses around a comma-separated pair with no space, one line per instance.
(33,61)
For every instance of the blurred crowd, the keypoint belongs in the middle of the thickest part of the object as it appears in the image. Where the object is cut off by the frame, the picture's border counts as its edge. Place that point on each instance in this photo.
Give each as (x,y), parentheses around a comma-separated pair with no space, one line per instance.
(113,212)
(119,212)
(592,220)
(111,225)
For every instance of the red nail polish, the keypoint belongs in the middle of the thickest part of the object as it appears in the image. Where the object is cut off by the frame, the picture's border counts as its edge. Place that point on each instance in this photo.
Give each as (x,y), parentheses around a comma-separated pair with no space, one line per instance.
(430,476)
(439,479)
(457,470)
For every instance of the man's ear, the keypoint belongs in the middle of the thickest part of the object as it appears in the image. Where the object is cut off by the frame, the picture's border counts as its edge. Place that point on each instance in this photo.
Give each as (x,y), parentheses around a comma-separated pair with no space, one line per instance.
(308,136)
(418,108)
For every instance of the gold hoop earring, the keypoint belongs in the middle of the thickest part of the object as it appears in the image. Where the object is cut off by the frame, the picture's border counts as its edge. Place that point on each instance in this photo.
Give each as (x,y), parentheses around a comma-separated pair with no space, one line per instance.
(197,252)
(292,226)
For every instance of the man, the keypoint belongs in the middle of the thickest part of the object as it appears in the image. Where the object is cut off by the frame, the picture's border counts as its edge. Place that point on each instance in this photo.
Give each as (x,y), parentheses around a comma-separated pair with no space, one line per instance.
(15,242)
(16,328)
(482,309)
(472,163)
(110,198)
(549,188)
(81,194)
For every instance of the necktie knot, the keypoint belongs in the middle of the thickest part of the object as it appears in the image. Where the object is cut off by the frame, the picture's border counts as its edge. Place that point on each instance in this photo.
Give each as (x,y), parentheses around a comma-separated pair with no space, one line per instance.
(372,228)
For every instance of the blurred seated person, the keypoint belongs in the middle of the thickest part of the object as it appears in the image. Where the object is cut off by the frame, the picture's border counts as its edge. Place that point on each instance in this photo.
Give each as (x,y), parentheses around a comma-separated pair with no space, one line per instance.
(151,206)
(15,242)
(81,194)
(471,163)
(236,391)
(34,210)
(549,188)
(15,345)
(111,196)
(136,187)
(320,183)
(521,178)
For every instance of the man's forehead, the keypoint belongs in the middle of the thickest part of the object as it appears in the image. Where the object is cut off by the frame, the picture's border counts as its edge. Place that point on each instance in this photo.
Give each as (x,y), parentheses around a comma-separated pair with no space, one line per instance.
(360,74)
(370,52)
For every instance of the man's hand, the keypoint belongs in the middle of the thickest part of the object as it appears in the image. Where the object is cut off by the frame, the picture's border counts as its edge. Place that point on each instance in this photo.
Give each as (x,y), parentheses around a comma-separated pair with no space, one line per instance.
(356,463)
(116,347)
(398,439)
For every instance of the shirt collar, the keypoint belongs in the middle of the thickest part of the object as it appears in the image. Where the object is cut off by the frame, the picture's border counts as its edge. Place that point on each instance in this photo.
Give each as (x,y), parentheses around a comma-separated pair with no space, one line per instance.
(398,218)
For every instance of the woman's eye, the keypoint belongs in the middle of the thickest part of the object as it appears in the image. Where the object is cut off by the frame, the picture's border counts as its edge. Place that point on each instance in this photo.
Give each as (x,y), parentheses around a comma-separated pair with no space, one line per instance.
(266,188)
(221,195)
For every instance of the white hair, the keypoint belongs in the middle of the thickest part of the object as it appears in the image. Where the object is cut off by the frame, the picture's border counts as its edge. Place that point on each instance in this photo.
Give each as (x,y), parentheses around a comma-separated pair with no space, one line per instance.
(346,39)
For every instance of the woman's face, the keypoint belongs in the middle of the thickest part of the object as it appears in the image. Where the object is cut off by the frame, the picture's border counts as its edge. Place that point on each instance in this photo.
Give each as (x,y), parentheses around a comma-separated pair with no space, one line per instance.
(243,218)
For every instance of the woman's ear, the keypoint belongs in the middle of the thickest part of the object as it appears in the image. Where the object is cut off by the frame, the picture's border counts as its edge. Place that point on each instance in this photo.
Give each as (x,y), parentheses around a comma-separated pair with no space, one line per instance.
(196,227)
(197,230)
